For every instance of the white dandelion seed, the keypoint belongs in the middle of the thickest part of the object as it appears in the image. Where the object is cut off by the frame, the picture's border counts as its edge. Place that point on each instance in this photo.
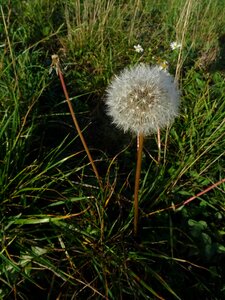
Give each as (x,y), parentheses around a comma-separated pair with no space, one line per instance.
(142,99)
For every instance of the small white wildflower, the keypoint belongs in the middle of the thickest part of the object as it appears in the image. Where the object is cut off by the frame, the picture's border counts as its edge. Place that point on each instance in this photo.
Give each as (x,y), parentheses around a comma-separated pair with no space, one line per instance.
(143,99)
(138,48)
(175,45)
(163,65)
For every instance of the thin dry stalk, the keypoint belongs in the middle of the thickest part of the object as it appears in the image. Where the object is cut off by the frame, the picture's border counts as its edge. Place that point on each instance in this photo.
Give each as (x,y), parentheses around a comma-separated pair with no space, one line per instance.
(55,64)
(140,142)
(90,19)
(165,146)
(182,27)
(205,191)
(137,7)
(182,204)
(10,48)
(159,145)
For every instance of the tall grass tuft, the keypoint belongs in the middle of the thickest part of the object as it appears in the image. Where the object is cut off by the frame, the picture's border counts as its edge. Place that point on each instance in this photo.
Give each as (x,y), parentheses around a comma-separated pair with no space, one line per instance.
(61,236)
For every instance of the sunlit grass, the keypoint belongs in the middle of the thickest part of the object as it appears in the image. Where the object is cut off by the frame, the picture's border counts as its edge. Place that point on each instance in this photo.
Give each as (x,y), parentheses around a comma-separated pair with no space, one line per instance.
(64,237)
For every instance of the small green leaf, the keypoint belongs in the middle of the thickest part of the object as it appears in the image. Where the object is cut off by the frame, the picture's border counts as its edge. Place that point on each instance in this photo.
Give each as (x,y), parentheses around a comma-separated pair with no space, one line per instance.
(221,248)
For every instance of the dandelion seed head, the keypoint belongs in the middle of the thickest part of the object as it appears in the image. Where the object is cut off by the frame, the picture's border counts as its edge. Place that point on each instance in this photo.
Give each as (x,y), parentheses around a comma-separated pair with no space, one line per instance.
(142,99)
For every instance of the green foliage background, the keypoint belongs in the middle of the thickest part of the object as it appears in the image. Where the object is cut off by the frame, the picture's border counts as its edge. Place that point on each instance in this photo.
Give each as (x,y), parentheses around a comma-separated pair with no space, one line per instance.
(63,237)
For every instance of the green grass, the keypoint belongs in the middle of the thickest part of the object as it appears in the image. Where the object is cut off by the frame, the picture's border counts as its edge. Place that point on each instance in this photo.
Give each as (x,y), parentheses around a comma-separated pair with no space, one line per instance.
(63,237)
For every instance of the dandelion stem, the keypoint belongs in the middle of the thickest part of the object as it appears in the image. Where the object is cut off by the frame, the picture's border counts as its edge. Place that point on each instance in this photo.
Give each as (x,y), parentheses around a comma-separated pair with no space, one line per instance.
(159,145)
(76,123)
(140,141)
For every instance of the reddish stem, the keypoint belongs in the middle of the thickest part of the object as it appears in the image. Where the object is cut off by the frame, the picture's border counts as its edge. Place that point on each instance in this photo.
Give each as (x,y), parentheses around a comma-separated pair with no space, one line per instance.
(140,141)
(77,125)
